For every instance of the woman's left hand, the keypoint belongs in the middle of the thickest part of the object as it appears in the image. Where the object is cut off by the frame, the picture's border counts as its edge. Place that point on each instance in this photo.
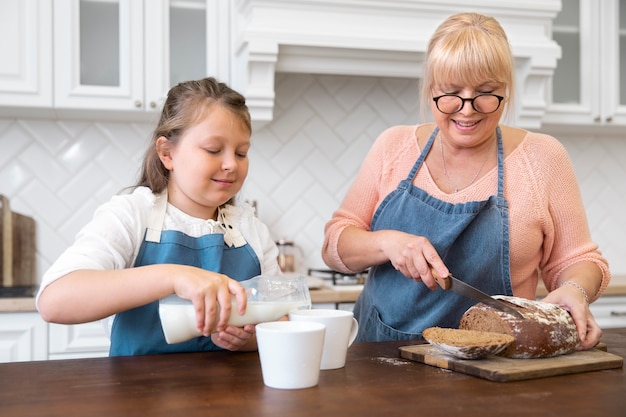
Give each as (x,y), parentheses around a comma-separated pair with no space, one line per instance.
(570,298)
(235,338)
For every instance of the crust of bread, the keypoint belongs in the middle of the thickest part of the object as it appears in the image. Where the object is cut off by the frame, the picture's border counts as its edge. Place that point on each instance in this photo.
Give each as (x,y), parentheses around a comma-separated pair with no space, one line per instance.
(546,330)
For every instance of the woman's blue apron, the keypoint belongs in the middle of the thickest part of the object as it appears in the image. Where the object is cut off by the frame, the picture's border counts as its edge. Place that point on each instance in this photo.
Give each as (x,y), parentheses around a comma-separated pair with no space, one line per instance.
(138,331)
(472,239)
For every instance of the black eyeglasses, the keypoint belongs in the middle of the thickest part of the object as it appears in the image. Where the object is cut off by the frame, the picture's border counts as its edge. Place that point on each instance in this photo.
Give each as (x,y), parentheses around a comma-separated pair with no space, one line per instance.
(482,103)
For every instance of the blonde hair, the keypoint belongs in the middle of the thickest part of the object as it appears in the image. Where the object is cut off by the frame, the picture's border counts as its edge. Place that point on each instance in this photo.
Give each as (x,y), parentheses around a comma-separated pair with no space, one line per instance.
(470,49)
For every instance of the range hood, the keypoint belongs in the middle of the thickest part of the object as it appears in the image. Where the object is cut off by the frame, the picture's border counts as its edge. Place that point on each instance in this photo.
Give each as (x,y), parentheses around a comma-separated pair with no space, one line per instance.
(384,38)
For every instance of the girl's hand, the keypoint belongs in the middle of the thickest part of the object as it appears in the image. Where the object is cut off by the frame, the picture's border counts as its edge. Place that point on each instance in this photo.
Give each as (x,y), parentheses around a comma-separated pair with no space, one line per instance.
(572,300)
(414,256)
(210,293)
(236,338)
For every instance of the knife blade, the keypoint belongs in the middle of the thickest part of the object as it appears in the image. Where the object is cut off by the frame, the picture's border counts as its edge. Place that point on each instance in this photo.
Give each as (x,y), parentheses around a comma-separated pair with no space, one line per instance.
(466,290)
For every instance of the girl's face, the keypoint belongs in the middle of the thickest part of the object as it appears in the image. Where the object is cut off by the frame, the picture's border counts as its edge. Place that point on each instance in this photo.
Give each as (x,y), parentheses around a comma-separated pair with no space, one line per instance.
(467,127)
(209,163)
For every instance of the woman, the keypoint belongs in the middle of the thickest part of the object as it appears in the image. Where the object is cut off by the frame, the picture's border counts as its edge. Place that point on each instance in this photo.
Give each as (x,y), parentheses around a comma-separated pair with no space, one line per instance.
(177,232)
(496,206)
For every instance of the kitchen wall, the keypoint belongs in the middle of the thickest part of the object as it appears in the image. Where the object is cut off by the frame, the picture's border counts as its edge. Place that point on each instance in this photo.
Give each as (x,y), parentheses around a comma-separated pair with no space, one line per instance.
(59,171)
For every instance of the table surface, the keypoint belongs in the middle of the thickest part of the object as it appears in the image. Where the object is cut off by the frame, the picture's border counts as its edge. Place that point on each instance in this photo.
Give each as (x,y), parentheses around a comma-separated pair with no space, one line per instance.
(375,381)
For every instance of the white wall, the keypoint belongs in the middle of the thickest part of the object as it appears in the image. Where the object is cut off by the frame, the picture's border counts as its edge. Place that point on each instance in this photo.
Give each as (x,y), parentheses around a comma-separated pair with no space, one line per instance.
(59,171)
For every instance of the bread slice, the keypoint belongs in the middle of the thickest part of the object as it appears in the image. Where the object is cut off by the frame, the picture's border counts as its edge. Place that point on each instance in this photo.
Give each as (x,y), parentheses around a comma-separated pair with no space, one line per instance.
(467,344)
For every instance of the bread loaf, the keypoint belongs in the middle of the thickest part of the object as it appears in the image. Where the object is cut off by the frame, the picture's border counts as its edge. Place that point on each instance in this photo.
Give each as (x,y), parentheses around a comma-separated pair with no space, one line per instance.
(546,330)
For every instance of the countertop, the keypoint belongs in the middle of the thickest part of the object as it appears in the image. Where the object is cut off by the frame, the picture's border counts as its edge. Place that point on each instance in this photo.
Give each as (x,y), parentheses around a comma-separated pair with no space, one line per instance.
(375,381)
(325,294)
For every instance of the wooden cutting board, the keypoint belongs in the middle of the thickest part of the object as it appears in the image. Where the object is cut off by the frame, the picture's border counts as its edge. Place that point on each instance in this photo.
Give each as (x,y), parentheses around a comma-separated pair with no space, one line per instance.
(17,247)
(496,368)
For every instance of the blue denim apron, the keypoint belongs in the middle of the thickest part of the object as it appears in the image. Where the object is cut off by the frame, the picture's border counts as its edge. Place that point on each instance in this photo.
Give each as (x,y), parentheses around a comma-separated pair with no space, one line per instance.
(138,331)
(472,239)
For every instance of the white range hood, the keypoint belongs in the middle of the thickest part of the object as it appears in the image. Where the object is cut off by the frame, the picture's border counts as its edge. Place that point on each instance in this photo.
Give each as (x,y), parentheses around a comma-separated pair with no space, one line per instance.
(385,38)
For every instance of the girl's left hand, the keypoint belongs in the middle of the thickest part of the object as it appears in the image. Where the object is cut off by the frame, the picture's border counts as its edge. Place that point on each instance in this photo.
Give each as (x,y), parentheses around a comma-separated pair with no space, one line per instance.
(235,338)
(570,298)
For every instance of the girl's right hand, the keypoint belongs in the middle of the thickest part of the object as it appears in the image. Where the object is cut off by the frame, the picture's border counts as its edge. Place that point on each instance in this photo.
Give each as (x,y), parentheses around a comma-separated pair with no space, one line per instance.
(210,293)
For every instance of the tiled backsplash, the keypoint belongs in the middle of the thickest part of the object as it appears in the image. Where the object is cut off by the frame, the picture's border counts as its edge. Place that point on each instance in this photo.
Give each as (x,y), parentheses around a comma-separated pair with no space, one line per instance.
(59,171)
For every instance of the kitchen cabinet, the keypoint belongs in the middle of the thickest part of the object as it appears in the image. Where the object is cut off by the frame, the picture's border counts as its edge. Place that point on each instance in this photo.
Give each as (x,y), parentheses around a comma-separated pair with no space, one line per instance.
(589,83)
(23,337)
(610,311)
(85,340)
(126,54)
(26,51)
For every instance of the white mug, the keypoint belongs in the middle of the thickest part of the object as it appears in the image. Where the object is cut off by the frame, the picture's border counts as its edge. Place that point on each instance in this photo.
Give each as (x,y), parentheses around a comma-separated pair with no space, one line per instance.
(341,330)
(290,353)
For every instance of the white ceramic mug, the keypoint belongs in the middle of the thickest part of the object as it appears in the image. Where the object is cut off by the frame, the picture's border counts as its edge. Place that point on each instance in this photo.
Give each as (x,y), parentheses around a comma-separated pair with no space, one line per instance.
(341,330)
(290,353)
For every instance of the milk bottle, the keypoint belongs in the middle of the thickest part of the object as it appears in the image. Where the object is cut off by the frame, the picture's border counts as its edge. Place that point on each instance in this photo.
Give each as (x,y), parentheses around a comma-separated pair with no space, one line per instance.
(269,298)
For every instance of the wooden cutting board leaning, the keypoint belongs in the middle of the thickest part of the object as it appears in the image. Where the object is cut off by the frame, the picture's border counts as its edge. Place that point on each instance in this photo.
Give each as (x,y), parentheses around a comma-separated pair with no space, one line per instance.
(17,255)
(500,369)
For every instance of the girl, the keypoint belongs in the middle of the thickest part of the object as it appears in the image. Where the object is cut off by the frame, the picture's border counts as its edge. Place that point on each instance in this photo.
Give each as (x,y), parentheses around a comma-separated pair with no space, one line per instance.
(177,232)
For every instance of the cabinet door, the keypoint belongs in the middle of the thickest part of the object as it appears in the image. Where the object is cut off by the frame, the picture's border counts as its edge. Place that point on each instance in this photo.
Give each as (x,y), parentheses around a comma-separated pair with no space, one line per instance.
(98,56)
(588,86)
(185,40)
(23,337)
(26,51)
(78,341)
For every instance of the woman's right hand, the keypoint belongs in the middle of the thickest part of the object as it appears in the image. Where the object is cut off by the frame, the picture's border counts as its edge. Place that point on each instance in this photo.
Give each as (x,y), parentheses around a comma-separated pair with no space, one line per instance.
(209,292)
(414,256)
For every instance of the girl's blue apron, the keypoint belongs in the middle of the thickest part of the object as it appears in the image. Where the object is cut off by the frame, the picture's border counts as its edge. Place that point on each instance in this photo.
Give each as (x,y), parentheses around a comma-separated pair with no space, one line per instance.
(138,331)
(472,239)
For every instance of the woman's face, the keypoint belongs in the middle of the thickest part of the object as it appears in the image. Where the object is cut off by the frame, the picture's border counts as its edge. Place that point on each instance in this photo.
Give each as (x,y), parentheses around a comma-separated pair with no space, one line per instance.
(208,164)
(467,127)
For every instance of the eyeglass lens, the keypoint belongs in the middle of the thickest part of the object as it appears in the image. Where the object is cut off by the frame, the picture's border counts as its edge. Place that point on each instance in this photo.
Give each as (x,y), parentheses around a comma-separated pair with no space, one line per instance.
(484,103)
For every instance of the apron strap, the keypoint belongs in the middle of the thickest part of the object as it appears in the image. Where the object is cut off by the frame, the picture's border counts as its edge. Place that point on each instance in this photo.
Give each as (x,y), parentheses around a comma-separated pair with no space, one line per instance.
(157,216)
(430,142)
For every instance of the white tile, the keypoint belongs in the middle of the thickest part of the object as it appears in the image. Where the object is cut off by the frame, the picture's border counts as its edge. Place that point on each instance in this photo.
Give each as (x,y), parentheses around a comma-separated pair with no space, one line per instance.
(301,164)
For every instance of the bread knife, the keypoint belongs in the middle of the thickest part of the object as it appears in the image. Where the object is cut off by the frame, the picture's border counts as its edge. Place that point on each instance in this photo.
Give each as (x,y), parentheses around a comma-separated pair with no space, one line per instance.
(466,290)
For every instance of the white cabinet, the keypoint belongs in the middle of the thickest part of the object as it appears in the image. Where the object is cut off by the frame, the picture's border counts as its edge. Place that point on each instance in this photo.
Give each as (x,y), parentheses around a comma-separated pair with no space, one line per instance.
(610,311)
(86,340)
(98,54)
(23,337)
(589,84)
(126,54)
(26,51)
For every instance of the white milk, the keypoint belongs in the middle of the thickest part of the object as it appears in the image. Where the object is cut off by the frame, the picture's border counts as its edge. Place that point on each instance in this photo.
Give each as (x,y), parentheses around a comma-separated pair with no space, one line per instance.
(179,318)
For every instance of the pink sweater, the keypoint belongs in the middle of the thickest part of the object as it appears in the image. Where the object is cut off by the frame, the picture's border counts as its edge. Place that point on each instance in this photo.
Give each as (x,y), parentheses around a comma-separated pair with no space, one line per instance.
(547,220)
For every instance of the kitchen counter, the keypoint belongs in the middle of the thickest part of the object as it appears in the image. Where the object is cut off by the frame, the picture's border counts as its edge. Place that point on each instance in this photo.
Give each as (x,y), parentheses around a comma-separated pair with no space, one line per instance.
(375,381)
(17,305)
(325,294)
(336,294)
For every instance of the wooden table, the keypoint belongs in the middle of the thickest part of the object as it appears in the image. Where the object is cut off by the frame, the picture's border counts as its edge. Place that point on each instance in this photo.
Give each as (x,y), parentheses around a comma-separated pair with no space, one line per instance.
(375,382)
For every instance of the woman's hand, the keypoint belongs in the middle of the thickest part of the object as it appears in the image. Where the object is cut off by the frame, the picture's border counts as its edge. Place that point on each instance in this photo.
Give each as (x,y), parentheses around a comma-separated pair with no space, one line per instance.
(236,338)
(210,293)
(414,256)
(571,299)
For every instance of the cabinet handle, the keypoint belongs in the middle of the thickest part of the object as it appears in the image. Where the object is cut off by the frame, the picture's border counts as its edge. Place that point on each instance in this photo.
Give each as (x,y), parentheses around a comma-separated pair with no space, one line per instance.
(618,313)
(137,103)
(153,104)
(597,119)
(609,119)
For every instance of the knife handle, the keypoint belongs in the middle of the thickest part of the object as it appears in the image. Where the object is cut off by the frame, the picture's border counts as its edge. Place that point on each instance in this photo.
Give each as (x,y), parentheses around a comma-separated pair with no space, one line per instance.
(444,282)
